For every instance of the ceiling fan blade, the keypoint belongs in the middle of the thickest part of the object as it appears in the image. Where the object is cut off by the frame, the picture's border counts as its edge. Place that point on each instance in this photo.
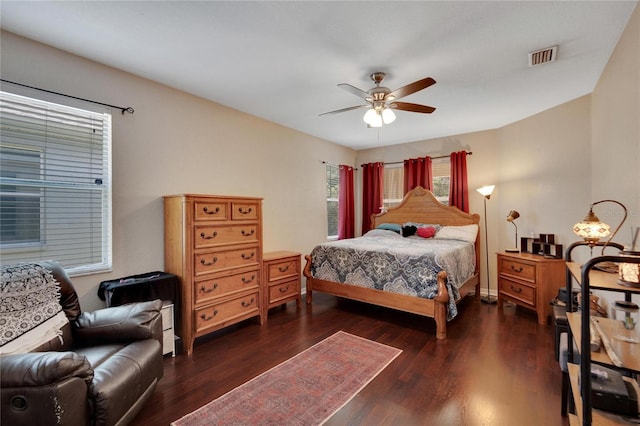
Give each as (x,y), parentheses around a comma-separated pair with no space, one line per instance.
(411,88)
(406,106)
(353,89)
(346,109)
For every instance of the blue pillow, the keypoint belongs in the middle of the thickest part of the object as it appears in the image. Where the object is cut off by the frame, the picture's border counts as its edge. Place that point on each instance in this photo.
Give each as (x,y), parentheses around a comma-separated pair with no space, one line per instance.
(390,227)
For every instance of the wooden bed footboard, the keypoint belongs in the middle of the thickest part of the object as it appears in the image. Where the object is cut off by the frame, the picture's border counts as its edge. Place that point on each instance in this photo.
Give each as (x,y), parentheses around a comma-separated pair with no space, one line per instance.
(433,308)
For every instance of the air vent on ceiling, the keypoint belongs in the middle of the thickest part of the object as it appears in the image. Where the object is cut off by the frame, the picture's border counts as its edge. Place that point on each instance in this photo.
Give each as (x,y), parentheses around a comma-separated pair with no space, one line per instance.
(543,56)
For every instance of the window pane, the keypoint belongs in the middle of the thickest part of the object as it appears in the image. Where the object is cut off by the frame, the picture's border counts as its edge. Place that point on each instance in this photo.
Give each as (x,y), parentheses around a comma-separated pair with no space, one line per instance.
(19,204)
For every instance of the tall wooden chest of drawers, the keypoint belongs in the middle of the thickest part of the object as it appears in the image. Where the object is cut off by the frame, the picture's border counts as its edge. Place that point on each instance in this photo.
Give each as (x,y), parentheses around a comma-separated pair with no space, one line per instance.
(214,245)
(530,281)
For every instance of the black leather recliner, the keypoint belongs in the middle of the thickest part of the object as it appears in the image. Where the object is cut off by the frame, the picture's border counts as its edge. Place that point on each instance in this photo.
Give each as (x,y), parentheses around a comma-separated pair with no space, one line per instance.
(101,373)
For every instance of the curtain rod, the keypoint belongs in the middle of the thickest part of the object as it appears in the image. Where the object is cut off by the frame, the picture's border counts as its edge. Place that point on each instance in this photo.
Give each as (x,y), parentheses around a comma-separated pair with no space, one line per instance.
(122,109)
(440,156)
(337,165)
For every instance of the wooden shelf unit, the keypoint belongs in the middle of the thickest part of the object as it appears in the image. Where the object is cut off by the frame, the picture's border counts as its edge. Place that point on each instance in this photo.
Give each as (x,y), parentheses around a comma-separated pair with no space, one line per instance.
(579,326)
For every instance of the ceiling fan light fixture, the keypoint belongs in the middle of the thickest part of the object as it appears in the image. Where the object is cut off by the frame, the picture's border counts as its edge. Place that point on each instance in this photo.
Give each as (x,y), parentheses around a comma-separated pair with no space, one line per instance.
(377,120)
(370,116)
(388,116)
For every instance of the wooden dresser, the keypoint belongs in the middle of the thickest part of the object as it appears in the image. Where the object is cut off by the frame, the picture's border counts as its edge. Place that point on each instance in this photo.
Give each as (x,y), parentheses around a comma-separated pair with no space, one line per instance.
(281,278)
(530,281)
(214,245)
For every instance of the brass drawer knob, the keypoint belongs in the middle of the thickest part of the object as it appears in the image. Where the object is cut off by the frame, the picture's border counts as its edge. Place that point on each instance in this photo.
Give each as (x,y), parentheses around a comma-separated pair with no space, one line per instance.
(205,317)
(516,290)
(207,211)
(204,289)
(205,263)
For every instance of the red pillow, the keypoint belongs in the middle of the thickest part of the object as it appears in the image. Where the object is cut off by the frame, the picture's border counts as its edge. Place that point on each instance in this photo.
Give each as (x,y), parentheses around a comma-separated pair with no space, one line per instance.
(426,232)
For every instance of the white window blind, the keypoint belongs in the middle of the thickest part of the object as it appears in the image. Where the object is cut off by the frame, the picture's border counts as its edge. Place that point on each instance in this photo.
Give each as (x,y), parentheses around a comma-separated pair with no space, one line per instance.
(333,192)
(55,184)
(393,185)
(441,172)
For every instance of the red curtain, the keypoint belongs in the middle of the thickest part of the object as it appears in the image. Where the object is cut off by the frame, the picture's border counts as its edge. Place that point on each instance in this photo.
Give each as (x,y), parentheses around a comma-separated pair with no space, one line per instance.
(346,226)
(458,189)
(372,192)
(417,172)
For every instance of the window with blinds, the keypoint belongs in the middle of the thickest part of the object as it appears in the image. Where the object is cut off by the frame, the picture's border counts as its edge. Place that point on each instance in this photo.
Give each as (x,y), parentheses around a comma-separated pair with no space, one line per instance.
(441,173)
(55,184)
(333,191)
(394,181)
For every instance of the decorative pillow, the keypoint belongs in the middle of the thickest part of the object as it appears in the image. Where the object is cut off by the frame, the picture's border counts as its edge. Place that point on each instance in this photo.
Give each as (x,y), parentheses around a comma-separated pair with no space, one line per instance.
(408,231)
(390,227)
(466,233)
(424,225)
(426,232)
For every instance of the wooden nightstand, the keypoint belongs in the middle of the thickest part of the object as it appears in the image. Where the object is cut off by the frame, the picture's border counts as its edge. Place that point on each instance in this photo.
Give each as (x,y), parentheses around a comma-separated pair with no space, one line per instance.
(530,281)
(281,278)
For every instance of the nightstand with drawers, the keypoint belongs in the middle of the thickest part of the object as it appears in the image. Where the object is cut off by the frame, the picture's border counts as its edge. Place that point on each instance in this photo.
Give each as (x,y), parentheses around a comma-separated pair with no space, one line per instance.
(530,281)
(281,277)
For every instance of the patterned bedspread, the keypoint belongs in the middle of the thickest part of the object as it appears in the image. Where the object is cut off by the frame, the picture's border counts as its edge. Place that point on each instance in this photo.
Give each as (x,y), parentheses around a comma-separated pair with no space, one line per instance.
(387,261)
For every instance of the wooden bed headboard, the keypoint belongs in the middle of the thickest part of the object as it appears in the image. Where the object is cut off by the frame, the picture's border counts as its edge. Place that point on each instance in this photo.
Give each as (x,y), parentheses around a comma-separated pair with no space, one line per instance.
(420,205)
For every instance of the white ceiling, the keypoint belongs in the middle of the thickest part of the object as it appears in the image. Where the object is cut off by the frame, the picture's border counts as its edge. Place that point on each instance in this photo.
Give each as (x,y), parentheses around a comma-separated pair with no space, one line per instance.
(282,60)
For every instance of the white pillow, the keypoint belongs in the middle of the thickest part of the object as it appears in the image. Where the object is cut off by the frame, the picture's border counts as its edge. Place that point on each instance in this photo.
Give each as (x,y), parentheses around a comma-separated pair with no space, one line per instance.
(466,233)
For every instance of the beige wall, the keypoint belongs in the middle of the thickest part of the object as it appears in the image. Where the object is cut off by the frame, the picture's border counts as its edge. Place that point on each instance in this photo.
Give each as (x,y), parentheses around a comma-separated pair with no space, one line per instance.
(615,129)
(176,143)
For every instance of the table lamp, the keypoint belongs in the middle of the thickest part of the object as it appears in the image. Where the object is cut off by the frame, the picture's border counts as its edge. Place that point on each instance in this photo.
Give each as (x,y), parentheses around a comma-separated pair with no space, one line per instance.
(513,215)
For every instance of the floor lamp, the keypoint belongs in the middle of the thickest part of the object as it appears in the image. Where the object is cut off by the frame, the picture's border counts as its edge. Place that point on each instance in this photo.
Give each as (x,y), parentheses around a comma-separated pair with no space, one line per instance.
(486,192)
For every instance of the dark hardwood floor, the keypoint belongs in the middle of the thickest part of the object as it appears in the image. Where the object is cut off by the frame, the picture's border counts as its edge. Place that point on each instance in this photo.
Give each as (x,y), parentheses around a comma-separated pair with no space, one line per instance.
(496,367)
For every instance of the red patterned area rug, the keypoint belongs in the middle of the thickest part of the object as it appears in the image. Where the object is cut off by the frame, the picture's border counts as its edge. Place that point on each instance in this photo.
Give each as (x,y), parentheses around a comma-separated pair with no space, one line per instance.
(304,390)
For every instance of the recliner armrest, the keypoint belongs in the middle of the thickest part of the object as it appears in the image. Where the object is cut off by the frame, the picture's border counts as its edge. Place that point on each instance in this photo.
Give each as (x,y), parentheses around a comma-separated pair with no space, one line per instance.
(42,368)
(135,321)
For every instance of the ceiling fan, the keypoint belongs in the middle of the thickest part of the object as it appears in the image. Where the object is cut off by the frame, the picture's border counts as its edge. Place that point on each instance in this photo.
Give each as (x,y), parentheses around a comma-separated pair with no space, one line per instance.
(381,101)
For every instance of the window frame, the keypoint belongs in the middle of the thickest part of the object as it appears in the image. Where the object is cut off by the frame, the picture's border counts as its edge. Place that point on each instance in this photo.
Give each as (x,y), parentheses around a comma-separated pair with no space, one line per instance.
(75,152)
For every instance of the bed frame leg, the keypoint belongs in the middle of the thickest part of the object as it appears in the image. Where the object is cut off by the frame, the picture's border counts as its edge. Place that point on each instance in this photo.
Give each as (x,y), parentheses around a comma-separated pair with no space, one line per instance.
(307,273)
(440,306)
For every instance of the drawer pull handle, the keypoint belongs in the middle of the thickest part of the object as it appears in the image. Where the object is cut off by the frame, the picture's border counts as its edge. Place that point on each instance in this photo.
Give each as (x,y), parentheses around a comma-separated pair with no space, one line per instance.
(248,256)
(516,290)
(208,237)
(248,234)
(520,269)
(245,304)
(215,211)
(245,211)
(205,263)
(284,290)
(283,269)
(245,280)
(204,289)
(205,317)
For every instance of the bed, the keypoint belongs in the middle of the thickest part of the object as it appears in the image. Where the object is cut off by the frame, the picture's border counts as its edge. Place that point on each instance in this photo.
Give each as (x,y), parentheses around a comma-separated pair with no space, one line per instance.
(446,285)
